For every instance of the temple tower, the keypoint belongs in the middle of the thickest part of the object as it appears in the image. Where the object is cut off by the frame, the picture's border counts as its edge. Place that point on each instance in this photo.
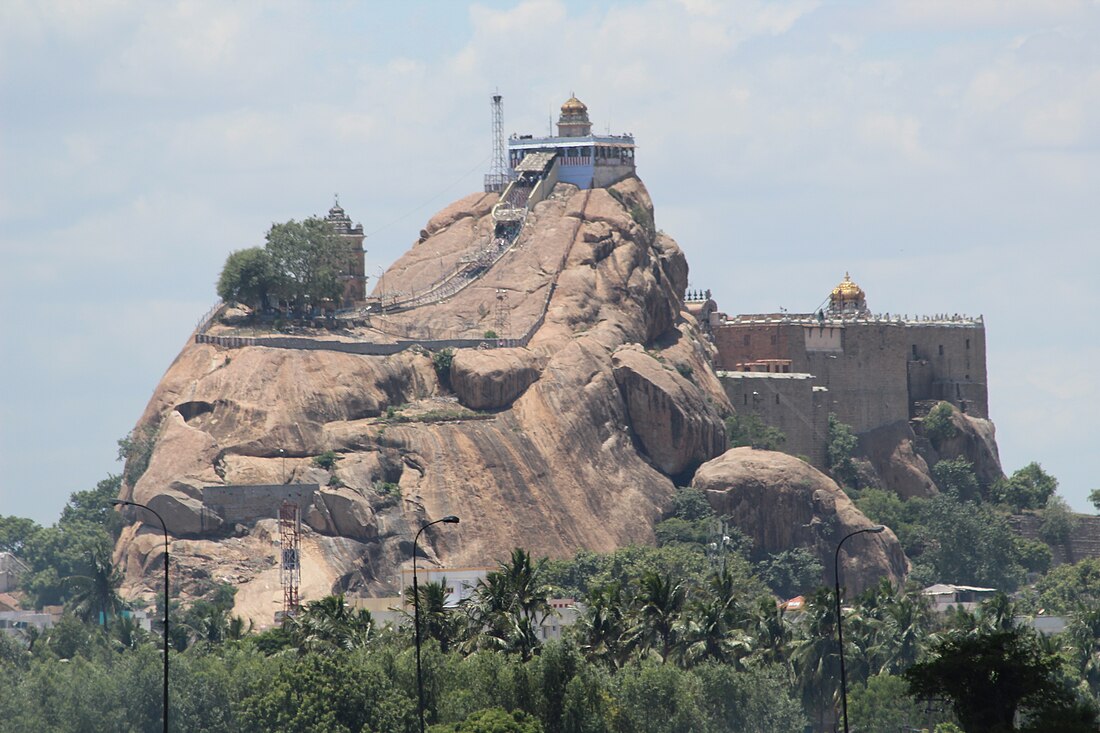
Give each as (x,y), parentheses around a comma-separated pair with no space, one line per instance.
(354,273)
(574,121)
(847,299)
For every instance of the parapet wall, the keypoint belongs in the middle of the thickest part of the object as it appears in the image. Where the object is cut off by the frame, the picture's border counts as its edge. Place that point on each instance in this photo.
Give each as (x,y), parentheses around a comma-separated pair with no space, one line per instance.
(247,503)
(876,368)
(788,402)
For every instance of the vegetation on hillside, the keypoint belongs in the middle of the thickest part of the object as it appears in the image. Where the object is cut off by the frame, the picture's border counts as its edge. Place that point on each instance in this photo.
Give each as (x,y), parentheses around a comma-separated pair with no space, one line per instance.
(299,265)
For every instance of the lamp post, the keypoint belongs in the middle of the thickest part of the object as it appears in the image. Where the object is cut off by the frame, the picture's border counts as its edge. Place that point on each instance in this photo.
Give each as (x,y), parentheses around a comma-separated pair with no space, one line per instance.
(449,519)
(164,528)
(839,630)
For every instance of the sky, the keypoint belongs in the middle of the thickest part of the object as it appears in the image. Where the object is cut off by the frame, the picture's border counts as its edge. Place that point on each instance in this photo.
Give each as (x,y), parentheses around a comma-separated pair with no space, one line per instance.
(946,154)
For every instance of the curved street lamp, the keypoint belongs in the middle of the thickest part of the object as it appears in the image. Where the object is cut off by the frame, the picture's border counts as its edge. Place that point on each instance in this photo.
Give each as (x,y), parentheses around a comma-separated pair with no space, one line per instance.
(839,631)
(449,519)
(164,528)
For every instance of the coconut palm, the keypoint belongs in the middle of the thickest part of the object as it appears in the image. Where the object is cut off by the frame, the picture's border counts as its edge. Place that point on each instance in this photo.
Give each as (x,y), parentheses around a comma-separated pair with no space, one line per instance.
(436,620)
(329,624)
(95,595)
(508,606)
(658,615)
(601,631)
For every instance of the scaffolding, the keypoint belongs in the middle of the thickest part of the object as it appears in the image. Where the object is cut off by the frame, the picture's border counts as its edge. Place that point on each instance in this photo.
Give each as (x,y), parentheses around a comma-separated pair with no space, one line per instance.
(290,566)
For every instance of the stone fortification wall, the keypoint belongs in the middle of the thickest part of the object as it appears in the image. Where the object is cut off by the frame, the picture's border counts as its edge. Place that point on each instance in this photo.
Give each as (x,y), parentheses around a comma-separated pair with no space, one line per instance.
(788,402)
(866,378)
(1083,543)
(876,369)
(743,343)
(947,362)
(243,504)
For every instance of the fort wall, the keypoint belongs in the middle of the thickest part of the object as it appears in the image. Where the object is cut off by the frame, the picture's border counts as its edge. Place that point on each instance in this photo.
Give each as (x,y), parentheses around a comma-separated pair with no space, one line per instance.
(789,402)
(246,503)
(871,370)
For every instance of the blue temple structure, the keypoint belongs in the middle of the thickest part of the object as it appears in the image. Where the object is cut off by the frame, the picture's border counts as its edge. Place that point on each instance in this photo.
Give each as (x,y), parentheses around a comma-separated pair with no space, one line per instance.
(583,159)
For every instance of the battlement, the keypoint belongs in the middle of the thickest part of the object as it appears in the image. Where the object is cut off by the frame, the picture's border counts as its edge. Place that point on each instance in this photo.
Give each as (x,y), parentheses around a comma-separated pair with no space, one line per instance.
(810,319)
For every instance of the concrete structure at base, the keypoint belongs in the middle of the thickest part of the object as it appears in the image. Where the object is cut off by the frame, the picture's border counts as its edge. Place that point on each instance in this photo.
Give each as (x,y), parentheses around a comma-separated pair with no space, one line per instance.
(870,370)
(354,275)
(461,582)
(247,503)
(583,159)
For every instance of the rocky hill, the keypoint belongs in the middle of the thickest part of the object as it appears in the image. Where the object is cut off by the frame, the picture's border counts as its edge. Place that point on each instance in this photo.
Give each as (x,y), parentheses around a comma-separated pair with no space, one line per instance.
(575,440)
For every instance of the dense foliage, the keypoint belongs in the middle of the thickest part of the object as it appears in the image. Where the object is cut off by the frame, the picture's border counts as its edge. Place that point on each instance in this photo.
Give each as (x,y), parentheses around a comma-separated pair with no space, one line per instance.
(299,265)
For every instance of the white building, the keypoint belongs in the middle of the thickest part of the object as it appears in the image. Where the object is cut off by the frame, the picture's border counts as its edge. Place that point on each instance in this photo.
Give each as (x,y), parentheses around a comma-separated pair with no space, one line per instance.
(461,582)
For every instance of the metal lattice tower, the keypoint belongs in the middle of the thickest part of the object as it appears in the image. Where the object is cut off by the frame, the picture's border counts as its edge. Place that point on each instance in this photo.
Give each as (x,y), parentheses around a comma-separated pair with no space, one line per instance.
(501,316)
(498,176)
(290,566)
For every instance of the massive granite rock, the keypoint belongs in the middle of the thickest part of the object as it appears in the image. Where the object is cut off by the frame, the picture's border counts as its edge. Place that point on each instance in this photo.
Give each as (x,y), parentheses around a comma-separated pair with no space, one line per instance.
(569,442)
(902,456)
(781,502)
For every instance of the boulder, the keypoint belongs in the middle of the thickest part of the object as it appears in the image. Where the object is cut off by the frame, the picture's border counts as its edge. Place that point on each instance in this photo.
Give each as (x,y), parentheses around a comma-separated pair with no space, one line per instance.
(492,379)
(676,426)
(781,502)
(893,455)
(351,513)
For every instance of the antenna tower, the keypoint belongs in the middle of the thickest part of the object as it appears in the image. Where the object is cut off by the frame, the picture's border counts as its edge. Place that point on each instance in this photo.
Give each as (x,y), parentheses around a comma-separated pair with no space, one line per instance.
(498,176)
(290,566)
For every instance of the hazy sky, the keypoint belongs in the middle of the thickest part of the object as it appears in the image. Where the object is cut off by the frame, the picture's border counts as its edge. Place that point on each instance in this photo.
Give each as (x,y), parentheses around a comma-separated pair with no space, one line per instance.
(946,153)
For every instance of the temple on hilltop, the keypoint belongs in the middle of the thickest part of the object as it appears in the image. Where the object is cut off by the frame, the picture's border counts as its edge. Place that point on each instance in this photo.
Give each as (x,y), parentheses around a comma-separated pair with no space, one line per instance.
(353,274)
(581,158)
(871,370)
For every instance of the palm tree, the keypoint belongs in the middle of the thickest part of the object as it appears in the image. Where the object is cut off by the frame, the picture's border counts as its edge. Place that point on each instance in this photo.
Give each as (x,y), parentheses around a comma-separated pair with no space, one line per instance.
(770,631)
(329,624)
(816,656)
(436,620)
(509,606)
(602,630)
(95,596)
(660,605)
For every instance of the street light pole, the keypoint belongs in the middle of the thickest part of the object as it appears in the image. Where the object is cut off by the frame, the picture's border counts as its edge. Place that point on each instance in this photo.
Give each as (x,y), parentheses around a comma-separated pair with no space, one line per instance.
(449,519)
(839,624)
(164,528)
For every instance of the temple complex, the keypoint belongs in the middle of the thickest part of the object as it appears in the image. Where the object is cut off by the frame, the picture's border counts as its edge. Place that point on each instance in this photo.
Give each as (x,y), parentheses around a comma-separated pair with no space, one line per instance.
(870,370)
(583,159)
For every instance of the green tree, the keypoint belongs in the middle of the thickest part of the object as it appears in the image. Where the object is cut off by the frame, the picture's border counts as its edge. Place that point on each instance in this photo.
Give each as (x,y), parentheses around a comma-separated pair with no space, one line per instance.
(839,450)
(660,603)
(884,704)
(307,257)
(750,430)
(136,450)
(493,720)
(94,597)
(248,277)
(956,477)
(1028,488)
(988,677)
(791,572)
(1070,586)
(1059,521)
(938,425)
(14,533)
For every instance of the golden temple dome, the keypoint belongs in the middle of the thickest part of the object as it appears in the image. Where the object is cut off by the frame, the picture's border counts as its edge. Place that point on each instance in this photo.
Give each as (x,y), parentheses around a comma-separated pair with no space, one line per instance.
(847,290)
(573,106)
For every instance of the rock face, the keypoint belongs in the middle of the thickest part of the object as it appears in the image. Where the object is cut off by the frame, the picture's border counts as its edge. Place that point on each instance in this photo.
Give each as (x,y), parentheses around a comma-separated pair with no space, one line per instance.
(892,452)
(781,502)
(578,439)
(492,379)
(676,427)
(975,440)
